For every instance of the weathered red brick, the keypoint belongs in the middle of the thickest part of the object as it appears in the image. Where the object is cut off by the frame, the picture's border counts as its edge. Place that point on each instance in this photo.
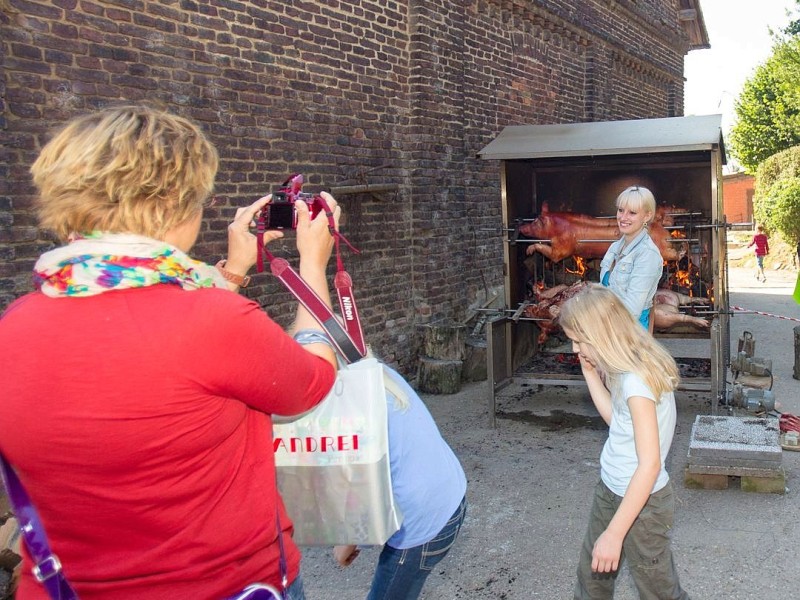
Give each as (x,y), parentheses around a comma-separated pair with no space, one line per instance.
(347,91)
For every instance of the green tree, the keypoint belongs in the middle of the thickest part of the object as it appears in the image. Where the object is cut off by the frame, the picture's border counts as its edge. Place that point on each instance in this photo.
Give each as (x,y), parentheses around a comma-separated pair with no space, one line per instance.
(776,203)
(768,109)
(793,28)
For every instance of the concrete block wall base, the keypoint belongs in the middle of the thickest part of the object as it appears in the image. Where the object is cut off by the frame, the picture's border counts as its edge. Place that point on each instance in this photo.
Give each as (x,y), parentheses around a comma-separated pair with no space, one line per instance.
(704,481)
(773,482)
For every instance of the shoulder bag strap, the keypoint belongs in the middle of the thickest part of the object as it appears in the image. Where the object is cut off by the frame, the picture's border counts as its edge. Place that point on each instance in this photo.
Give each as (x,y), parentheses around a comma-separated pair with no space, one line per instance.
(47,567)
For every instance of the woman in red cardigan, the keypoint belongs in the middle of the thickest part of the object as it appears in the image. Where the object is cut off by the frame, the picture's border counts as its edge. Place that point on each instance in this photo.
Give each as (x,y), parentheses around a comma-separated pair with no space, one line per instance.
(137,388)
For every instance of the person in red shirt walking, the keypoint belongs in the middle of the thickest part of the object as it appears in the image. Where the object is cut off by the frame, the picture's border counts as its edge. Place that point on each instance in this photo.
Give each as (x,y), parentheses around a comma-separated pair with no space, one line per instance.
(761,243)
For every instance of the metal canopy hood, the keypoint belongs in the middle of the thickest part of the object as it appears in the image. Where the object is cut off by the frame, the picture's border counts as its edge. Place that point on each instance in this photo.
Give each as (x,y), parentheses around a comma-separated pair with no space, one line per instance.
(600,138)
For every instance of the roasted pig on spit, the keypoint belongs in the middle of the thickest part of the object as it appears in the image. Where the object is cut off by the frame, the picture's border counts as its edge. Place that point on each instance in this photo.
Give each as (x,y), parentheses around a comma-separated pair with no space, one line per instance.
(571,234)
(666,312)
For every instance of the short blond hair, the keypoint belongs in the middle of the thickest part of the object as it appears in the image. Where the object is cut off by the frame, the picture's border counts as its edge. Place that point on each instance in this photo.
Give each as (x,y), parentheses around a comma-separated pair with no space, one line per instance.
(132,169)
(597,316)
(637,198)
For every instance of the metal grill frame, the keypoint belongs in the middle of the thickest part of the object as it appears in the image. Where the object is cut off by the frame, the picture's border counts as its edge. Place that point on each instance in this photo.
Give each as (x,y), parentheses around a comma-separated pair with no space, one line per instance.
(512,337)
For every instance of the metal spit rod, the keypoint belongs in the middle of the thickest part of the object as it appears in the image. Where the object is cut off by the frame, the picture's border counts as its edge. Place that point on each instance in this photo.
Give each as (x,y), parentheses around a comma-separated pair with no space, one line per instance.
(516,314)
(668,227)
(599,241)
(707,226)
(677,214)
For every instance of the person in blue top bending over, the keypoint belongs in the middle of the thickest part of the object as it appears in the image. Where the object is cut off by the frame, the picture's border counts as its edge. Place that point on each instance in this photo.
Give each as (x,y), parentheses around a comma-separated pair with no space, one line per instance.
(429,487)
(633,265)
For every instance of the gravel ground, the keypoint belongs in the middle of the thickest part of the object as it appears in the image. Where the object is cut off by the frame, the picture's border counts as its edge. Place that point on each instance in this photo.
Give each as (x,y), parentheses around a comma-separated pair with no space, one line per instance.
(530,485)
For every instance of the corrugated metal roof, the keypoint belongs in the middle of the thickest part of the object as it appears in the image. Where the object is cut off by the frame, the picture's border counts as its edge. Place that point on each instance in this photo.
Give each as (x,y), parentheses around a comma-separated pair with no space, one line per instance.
(673,134)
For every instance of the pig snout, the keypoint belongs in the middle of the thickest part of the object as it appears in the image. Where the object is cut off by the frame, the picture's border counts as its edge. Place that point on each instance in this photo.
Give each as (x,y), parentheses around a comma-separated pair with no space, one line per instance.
(535,229)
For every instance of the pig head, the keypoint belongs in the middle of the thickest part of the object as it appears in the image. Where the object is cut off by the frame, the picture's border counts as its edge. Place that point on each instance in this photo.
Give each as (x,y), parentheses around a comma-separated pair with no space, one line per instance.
(573,234)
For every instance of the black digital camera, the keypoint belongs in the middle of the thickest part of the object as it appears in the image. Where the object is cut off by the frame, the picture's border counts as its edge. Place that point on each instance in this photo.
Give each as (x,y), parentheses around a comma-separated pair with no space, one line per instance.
(281,213)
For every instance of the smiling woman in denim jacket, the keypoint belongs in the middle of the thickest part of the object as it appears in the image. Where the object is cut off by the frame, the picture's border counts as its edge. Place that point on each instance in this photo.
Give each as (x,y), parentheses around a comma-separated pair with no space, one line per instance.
(633,265)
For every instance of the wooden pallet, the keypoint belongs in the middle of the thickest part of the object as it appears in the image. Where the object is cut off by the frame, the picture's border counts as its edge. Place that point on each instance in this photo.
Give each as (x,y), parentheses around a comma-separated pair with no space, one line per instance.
(769,481)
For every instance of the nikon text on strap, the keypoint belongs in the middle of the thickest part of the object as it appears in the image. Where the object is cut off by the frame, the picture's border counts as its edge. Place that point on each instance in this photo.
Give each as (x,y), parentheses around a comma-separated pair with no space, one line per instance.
(349,340)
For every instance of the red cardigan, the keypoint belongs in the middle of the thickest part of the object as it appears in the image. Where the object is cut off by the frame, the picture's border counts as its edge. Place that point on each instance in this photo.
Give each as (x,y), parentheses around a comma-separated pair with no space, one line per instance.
(139,422)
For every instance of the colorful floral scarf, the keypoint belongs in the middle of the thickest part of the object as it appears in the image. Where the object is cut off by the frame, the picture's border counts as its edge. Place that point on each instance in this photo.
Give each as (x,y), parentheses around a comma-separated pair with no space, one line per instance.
(100,262)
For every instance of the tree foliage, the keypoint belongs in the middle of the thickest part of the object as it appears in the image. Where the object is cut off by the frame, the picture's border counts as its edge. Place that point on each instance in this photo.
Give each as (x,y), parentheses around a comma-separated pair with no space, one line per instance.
(776,203)
(793,28)
(768,109)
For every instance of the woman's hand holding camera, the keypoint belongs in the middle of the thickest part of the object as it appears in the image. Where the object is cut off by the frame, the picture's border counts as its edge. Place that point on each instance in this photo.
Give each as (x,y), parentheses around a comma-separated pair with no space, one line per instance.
(314,244)
(242,249)
(314,239)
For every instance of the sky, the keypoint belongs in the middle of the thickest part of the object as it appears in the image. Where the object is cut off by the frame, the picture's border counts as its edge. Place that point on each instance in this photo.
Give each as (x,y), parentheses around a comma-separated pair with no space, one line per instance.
(738,31)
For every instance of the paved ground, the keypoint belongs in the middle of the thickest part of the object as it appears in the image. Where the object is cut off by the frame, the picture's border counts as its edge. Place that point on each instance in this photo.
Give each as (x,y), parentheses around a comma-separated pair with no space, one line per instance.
(530,483)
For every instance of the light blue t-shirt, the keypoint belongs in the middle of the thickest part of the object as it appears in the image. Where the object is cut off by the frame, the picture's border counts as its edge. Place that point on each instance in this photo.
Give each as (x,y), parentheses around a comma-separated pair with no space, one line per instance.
(618,460)
(427,478)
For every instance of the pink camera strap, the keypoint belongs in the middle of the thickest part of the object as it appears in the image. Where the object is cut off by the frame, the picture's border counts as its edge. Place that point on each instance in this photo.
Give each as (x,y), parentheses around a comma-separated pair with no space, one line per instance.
(349,340)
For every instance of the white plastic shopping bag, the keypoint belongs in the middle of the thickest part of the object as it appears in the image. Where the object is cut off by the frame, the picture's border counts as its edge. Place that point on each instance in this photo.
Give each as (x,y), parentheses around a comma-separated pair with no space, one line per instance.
(333,463)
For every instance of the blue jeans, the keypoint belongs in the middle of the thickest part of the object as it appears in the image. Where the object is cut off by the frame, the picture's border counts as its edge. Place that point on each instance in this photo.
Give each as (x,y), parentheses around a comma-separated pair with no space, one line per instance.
(295,590)
(402,573)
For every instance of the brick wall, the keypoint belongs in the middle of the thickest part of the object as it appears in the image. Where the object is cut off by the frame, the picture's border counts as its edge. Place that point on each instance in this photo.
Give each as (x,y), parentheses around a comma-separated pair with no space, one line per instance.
(737,197)
(347,92)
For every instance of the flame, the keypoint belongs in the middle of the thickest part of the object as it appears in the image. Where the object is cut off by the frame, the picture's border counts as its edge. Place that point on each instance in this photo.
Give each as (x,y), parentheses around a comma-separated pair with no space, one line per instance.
(675,233)
(684,278)
(580,267)
(689,281)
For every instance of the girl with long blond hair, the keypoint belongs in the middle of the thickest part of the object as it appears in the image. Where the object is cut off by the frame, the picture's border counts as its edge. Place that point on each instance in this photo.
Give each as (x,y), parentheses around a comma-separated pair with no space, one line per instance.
(631,379)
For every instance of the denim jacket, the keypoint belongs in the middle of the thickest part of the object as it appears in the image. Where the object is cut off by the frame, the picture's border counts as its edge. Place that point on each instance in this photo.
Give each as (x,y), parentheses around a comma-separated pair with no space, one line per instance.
(636,273)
